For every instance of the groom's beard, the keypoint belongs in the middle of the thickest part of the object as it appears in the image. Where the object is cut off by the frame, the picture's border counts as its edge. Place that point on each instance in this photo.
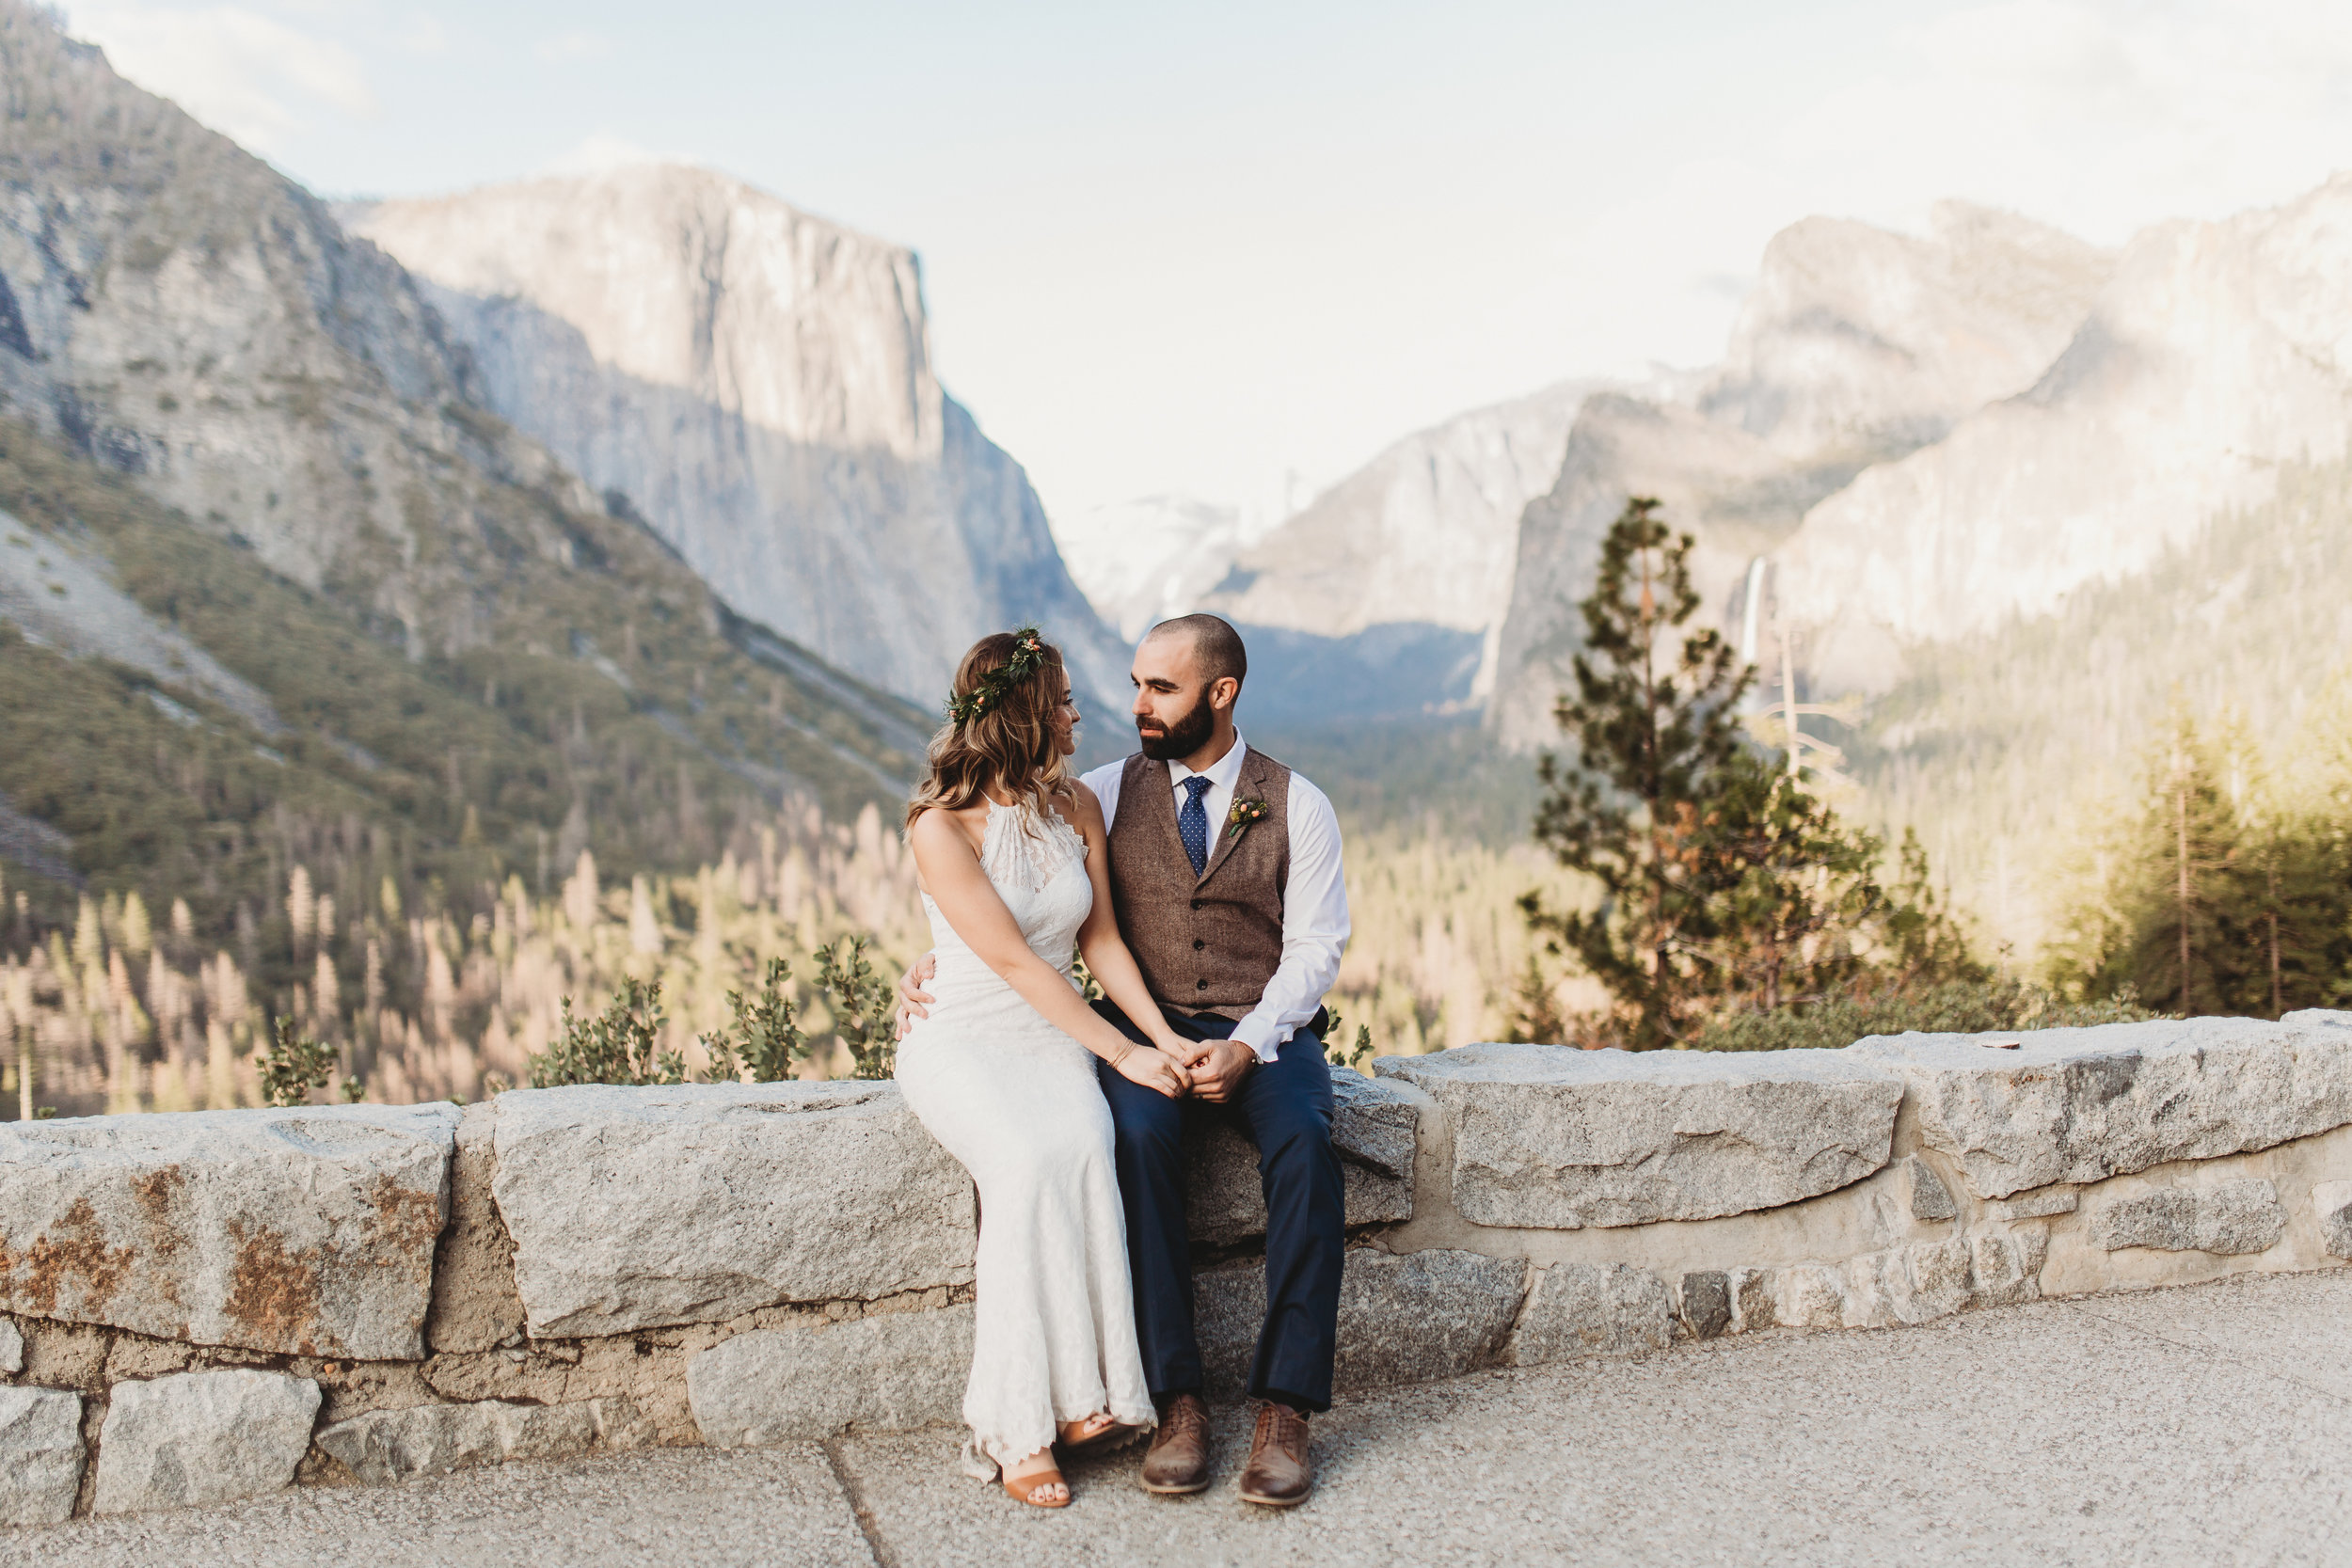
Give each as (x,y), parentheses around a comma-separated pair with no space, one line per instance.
(1182,738)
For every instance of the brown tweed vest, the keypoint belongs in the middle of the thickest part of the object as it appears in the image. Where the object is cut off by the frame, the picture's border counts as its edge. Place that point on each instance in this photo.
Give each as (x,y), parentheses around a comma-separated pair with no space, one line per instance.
(1206,944)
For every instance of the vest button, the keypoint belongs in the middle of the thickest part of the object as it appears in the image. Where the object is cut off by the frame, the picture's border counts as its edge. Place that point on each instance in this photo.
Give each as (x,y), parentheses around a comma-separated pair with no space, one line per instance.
(1200,985)
(1198,944)
(1196,903)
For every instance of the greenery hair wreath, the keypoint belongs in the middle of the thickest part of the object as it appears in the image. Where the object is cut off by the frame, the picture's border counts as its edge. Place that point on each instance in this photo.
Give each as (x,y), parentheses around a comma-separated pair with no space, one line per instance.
(1028,654)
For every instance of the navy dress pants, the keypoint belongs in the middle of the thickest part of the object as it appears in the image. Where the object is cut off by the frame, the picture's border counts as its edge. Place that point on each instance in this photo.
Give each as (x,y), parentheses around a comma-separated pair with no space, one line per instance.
(1283,1107)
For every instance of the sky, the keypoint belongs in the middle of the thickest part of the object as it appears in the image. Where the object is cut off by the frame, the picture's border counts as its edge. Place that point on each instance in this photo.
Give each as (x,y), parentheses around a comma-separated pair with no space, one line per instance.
(1232,250)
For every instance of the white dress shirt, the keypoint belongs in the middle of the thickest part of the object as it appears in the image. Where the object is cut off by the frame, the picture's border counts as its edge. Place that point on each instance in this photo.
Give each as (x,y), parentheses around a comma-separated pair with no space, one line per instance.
(1314,903)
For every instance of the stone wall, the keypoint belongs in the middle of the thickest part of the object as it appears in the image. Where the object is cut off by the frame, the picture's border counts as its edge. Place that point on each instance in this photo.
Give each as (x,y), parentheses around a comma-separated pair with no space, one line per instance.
(207,1306)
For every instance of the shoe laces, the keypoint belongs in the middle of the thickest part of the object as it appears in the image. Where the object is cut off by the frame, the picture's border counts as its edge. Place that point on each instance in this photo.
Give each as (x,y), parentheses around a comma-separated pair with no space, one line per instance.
(1183,1418)
(1279,1423)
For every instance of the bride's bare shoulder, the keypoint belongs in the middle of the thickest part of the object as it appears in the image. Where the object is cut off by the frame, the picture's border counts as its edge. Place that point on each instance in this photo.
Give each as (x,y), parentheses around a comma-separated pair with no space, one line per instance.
(1086,811)
(939,829)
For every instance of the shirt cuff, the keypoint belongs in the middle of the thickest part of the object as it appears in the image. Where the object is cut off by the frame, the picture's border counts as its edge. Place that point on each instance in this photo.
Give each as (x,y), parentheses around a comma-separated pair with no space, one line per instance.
(1258,1033)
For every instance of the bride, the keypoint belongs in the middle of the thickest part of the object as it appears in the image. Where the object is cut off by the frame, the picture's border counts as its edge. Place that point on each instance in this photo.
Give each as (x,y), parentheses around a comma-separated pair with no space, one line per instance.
(1011,857)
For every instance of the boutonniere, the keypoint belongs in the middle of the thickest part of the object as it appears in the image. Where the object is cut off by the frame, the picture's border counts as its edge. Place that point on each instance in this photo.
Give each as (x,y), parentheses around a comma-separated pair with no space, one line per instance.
(1243,815)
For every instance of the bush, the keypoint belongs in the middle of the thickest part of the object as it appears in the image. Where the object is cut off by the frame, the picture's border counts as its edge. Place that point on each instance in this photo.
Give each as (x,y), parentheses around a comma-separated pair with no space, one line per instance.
(293,1066)
(766,1037)
(621,1046)
(1339,1053)
(862,1007)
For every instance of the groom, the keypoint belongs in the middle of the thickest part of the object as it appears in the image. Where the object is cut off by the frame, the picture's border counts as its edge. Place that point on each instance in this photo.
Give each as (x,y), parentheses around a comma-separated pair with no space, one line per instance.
(1225,875)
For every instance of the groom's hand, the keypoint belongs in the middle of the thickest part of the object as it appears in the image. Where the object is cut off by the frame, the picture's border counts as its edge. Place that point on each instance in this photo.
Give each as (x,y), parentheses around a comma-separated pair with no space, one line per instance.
(1217,1074)
(913,1001)
(1189,1053)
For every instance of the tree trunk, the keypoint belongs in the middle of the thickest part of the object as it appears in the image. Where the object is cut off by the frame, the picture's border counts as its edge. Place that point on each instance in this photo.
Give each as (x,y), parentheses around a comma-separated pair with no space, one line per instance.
(2278,1004)
(2180,798)
(1654,786)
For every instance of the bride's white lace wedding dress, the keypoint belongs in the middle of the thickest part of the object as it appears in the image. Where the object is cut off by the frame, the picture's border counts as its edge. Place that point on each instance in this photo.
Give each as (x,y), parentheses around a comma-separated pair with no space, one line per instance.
(1016,1100)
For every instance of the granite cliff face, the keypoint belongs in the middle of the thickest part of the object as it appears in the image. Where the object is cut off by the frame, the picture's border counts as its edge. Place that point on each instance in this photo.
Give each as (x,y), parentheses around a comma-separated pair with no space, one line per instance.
(270,535)
(756,382)
(174,310)
(2214,356)
(1426,533)
(1856,348)
(1144,561)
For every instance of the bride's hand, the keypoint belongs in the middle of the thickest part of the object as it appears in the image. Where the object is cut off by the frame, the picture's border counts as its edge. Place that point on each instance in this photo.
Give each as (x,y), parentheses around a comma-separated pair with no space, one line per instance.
(1184,1053)
(1153,1069)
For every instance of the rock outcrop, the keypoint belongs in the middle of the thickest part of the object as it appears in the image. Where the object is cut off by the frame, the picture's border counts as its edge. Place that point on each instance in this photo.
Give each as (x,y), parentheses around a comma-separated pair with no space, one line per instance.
(799,1384)
(757,383)
(202,1437)
(1143,560)
(1554,1137)
(178,314)
(638,1207)
(1426,533)
(1855,347)
(2060,1109)
(2209,358)
(40,1455)
(305,1231)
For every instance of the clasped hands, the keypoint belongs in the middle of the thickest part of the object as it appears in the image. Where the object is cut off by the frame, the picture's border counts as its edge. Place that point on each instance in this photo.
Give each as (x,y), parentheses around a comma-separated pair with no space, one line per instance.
(1208,1069)
(1213,1070)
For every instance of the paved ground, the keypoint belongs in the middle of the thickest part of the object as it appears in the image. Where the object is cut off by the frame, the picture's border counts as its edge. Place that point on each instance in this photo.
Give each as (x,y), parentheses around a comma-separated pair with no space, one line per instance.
(2211,1424)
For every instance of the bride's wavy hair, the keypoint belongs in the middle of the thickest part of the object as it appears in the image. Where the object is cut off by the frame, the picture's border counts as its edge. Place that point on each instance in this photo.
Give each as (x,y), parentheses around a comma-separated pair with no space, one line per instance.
(1004,736)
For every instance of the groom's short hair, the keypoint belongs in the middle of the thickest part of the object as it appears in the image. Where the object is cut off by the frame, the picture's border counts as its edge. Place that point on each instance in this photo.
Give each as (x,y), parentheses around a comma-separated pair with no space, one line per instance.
(1215,641)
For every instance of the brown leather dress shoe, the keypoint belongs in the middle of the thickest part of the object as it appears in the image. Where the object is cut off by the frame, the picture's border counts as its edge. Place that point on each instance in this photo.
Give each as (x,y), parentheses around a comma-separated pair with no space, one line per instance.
(1278,1473)
(1178,1461)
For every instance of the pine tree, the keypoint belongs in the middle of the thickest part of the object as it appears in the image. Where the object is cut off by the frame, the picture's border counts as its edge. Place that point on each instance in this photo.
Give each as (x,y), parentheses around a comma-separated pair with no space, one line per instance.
(2172,930)
(1653,714)
(1536,1016)
(1791,889)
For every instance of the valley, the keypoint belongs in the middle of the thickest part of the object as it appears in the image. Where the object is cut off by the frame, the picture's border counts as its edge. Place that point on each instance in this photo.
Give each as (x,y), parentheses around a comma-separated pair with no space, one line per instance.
(415,611)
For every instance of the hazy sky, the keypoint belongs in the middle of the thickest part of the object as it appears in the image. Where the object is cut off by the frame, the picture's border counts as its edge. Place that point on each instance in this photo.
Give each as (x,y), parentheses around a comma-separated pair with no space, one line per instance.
(1232,250)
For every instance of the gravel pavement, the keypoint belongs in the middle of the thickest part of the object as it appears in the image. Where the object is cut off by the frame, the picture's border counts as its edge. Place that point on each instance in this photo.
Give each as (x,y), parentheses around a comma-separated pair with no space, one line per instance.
(2207,1424)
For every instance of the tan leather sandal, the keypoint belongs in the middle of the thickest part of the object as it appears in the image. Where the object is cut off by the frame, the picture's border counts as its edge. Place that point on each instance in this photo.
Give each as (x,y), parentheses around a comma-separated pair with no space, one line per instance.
(1110,1434)
(1025,1488)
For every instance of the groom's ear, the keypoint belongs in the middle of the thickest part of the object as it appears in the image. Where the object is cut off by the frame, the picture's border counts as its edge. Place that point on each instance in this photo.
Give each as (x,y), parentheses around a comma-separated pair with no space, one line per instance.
(1224,692)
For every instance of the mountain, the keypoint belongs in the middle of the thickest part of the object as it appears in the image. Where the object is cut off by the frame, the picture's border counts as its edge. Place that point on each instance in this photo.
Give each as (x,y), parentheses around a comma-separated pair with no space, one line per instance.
(757,385)
(2214,358)
(1425,533)
(1856,348)
(280,587)
(2008,746)
(2013,494)
(1144,561)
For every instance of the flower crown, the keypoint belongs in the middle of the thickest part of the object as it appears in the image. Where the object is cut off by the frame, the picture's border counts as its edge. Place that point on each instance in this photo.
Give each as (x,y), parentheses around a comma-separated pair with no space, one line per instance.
(1028,654)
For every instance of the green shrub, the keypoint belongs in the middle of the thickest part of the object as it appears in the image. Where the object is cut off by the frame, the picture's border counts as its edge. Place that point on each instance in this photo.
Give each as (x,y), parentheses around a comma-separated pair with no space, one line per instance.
(861,1001)
(293,1066)
(621,1046)
(765,1039)
(1341,1055)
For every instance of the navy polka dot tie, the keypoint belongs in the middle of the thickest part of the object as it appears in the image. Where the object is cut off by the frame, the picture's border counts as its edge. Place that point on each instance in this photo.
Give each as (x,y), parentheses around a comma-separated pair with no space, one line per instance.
(1192,823)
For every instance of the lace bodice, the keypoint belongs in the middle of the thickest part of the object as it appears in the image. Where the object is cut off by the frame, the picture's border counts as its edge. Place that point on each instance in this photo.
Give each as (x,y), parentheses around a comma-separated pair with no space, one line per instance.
(1036,863)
